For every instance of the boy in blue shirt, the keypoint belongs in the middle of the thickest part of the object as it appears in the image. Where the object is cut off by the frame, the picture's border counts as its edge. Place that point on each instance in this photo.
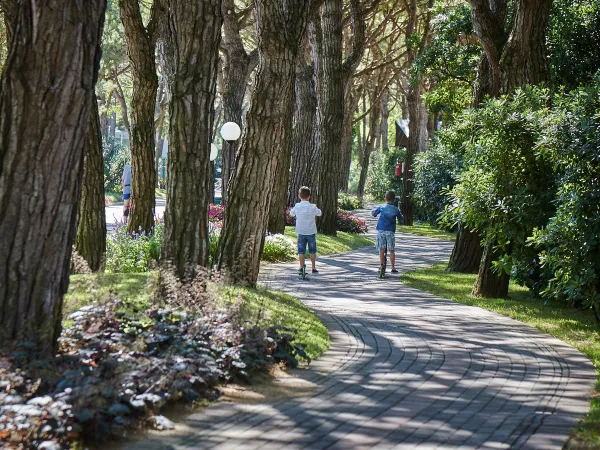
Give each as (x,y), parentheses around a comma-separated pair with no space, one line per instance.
(386,228)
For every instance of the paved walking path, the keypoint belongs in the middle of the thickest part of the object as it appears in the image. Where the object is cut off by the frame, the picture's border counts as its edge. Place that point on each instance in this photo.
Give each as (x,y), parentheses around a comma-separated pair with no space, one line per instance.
(405,370)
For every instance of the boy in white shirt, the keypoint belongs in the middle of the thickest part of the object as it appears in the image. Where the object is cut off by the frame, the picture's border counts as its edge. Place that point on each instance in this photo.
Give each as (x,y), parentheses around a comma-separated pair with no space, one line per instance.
(306,227)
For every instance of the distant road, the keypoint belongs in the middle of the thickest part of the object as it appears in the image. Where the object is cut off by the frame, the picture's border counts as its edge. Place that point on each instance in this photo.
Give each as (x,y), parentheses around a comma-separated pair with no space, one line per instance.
(114,213)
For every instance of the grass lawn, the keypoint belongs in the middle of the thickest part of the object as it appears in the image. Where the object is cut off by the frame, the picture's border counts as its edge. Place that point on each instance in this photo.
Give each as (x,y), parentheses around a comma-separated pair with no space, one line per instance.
(259,306)
(268,308)
(425,229)
(577,328)
(343,242)
(113,197)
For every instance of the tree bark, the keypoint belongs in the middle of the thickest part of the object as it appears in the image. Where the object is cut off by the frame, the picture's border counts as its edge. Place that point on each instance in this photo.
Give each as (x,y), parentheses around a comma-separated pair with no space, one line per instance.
(513,58)
(193,36)
(330,127)
(374,131)
(524,56)
(467,251)
(488,283)
(415,107)
(45,97)
(280,27)
(90,239)
(385,117)
(141,48)
(303,130)
(335,74)
(352,99)
(237,67)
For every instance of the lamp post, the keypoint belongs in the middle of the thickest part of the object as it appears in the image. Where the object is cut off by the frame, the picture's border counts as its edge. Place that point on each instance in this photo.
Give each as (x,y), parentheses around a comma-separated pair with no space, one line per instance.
(230,132)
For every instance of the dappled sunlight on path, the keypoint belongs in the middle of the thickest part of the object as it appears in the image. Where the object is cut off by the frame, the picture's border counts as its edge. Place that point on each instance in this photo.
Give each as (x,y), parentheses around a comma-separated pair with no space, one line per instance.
(405,370)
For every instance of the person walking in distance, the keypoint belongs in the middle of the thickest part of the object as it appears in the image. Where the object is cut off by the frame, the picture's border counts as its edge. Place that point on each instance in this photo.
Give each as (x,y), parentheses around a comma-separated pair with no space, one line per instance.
(126,183)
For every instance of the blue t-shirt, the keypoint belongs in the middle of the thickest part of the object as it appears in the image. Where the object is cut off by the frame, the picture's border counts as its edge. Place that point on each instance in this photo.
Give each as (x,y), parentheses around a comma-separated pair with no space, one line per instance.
(387,220)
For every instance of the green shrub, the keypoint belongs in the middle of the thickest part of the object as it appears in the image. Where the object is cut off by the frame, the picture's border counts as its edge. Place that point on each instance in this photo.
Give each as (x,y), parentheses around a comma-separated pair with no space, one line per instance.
(570,241)
(436,170)
(127,253)
(115,158)
(382,173)
(349,202)
(507,187)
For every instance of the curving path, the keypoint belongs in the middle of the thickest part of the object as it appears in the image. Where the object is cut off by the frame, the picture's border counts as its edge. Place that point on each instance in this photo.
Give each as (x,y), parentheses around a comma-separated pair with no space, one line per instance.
(405,370)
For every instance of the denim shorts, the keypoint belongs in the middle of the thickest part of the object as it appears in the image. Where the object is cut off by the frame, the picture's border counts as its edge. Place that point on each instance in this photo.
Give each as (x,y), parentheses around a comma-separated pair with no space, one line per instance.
(126,196)
(310,239)
(385,239)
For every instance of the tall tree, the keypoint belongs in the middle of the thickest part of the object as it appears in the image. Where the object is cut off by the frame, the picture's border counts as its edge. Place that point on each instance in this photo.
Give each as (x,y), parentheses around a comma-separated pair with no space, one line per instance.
(41,161)
(238,64)
(418,24)
(193,36)
(141,48)
(515,57)
(90,239)
(305,111)
(335,73)
(280,28)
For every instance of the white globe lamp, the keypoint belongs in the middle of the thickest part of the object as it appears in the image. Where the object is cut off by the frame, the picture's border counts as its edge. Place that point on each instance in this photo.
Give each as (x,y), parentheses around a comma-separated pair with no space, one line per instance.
(214,151)
(231,132)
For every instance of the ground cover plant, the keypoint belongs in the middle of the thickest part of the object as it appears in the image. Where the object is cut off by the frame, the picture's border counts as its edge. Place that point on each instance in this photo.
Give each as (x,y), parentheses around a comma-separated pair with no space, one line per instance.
(125,354)
(574,326)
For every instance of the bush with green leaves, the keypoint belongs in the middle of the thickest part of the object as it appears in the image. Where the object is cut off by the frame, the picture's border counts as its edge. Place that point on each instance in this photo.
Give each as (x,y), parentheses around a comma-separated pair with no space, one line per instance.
(437,168)
(571,239)
(115,158)
(507,187)
(382,173)
(349,202)
(128,253)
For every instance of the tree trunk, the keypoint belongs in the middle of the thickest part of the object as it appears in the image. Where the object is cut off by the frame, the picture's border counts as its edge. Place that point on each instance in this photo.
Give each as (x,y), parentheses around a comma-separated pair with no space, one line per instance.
(385,117)
(41,161)
(194,28)
(276,224)
(414,143)
(303,130)
(490,284)
(524,56)
(374,131)
(141,48)
(512,59)
(90,239)
(268,130)
(237,67)
(467,251)
(352,99)
(415,108)
(161,104)
(330,127)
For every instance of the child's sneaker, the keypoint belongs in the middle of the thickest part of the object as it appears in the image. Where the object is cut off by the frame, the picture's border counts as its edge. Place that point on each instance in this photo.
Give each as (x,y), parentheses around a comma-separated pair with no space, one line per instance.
(315,271)
(394,271)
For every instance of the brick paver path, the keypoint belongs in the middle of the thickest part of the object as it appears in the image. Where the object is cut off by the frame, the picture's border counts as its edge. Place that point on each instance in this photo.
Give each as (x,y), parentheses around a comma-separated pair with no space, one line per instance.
(406,370)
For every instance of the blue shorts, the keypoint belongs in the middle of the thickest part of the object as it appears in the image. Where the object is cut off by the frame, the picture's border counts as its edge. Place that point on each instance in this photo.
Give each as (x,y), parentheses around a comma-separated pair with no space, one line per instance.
(311,240)
(385,239)
(126,196)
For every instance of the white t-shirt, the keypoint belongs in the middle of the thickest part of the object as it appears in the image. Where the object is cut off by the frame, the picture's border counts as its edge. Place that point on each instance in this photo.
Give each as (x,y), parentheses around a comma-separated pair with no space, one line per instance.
(305,213)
